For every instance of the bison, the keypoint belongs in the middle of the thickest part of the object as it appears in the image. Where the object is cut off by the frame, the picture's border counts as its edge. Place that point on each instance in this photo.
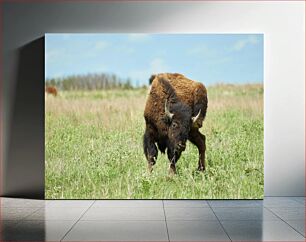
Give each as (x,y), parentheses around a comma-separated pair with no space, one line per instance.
(175,110)
(51,90)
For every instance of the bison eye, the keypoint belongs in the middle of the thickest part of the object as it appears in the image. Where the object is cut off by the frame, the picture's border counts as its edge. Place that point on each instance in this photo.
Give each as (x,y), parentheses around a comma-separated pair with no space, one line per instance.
(174,125)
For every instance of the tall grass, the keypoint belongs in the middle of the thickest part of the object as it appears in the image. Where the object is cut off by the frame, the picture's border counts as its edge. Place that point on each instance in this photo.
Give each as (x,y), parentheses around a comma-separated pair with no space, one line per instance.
(94,147)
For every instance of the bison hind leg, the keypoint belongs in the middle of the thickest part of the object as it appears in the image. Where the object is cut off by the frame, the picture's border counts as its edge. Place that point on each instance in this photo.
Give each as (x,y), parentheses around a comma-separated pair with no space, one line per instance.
(150,149)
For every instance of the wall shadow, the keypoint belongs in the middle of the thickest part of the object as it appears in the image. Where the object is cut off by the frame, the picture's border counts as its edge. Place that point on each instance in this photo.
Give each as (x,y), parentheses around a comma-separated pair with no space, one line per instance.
(28,230)
(25,151)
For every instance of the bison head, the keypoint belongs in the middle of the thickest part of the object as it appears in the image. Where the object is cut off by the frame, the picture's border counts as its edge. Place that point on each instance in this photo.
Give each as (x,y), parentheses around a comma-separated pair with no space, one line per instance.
(179,120)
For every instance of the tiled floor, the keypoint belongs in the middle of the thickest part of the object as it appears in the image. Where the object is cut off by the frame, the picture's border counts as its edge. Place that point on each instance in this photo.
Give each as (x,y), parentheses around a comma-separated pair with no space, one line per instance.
(273,219)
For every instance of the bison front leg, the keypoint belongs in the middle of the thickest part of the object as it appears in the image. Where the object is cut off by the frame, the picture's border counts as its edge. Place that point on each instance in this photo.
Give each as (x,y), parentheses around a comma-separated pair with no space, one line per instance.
(199,140)
(173,158)
(149,147)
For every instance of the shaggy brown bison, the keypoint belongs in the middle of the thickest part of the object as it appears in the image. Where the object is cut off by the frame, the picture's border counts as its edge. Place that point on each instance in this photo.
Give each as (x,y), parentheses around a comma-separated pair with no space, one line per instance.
(175,109)
(51,90)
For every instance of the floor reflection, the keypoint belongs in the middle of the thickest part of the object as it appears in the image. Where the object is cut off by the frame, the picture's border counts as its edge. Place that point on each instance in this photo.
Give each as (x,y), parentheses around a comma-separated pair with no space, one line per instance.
(158,220)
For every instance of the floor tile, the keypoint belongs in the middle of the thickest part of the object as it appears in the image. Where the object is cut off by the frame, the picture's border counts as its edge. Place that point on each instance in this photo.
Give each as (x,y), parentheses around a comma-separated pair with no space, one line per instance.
(189,214)
(196,231)
(186,203)
(7,224)
(281,202)
(7,227)
(140,220)
(118,231)
(300,200)
(120,213)
(127,203)
(289,213)
(244,214)
(16,213)
(298,225)
(39,230)
(21,203)
(69,203)
(235,203)
(57,214)
(261,230)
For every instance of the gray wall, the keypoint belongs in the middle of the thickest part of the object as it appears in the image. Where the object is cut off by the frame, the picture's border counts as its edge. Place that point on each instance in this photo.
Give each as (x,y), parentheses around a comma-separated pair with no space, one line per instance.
(23,61)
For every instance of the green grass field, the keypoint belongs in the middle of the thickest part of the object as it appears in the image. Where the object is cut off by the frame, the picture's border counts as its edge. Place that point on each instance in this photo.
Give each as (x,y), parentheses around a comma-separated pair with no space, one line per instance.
(93,148)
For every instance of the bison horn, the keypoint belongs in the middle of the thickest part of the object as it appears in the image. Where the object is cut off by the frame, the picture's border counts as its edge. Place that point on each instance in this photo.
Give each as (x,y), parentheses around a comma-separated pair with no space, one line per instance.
(194,119)
(167,112)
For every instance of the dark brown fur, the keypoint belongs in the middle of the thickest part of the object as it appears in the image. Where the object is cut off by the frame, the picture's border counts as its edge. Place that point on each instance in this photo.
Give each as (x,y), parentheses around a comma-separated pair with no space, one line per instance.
(51,90)
(185,98)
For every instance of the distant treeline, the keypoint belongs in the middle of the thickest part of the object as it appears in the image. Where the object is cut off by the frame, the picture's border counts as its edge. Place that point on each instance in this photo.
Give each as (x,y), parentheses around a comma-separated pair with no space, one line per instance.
(90,82)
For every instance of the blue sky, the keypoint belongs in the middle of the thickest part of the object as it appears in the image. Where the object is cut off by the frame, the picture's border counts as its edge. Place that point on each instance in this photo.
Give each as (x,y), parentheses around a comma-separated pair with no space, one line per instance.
(209,58)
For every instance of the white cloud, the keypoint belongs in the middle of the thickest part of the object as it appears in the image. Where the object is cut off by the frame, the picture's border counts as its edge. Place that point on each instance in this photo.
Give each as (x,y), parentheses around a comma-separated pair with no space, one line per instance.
(156,65)
(218,61)
(52,55)
(208,55)
(129,50)
(199,50)
(101,45)
(240,44)
(125,49)
(66,36)
(58,75)
(138,37)
(99,68)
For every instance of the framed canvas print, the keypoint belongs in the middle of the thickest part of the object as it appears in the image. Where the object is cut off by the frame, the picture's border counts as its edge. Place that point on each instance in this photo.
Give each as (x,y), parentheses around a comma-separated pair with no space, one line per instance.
(154,116)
